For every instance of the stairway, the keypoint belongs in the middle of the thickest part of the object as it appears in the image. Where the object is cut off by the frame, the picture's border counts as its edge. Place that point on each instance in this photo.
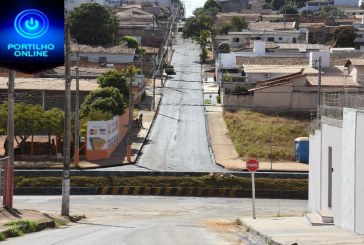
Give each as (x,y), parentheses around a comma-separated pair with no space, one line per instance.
(321,217)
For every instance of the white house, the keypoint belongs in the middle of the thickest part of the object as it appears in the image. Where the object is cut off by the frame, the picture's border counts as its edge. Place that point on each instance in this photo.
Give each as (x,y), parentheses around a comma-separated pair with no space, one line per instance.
(336,184)
(103,56)
(352,3)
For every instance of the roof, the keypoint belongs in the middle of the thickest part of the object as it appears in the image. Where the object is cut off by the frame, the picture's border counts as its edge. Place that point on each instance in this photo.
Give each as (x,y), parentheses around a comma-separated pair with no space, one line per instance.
(266,25)
(122,49)
(356,61)
(278,69)
(292,61)
(333,81)
(48,84)
(277,81)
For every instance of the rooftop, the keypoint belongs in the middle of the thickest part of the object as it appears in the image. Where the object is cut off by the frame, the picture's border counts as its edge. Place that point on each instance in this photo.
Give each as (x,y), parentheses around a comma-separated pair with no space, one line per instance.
(48,84)
(122,49)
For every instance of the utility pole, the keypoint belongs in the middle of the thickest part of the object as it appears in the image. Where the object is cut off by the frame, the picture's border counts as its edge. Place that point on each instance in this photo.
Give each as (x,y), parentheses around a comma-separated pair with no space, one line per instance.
(76,156)
(130,114)
(319,89)
(155,63)
(10,136)
(67,131)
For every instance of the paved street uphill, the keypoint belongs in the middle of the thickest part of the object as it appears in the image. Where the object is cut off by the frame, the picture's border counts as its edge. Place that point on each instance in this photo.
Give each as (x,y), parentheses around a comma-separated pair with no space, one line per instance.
(178,139)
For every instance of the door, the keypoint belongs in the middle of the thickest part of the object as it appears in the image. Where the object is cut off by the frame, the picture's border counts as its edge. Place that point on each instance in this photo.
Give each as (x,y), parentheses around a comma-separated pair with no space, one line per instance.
(330,169)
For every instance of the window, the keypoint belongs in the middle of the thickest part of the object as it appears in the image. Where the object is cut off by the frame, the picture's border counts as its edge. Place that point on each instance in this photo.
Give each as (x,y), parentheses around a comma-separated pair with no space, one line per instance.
(236,39)
(280,38)
(270,39)
(84,58)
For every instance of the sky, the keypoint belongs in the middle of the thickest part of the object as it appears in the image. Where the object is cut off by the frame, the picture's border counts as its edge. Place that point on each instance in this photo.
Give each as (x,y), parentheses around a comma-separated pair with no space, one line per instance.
(191,5)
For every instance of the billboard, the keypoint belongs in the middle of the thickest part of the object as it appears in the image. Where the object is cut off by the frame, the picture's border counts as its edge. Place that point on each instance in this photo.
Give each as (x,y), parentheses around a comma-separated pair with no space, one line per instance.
(32,34)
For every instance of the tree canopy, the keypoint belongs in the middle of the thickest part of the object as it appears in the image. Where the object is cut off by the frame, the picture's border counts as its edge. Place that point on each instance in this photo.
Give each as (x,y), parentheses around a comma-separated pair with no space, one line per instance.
(92,24)
(209,4)
(107,99)
(344,36)
(288,9)
(116,79)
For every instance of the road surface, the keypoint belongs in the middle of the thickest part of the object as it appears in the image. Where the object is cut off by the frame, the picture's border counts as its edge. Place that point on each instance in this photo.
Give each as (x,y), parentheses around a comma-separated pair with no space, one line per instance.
(151,220)
(178,140)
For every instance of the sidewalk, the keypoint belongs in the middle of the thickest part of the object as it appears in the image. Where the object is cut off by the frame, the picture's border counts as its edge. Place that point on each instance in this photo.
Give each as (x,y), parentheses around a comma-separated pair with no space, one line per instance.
(294,230)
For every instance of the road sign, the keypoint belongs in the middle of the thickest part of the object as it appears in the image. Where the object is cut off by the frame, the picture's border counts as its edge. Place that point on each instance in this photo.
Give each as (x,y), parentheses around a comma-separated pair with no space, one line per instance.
(252,165)
(32,34)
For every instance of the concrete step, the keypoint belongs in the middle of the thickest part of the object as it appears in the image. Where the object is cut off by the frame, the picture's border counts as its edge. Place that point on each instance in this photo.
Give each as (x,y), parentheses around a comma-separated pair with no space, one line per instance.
(326,216)
(315,220)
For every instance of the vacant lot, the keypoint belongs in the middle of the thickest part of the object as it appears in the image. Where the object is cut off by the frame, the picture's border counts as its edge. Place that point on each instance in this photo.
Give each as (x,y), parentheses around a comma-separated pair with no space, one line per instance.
(263,136)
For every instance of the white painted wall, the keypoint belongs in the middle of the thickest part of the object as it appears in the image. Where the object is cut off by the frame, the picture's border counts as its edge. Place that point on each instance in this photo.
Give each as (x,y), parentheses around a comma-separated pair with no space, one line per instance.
(353,3)
(359,173)
(331,137)
(314,185)
(110,58)
(348,168)
(345,138)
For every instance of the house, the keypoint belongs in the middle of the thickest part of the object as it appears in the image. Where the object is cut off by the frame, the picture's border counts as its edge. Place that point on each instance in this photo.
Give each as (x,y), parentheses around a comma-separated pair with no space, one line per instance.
(162,3)
(233,5)
(348,3)
(142,25)
(69,5)
(316,5)
(48,92)
(270,84)
(336,184)
(90,55)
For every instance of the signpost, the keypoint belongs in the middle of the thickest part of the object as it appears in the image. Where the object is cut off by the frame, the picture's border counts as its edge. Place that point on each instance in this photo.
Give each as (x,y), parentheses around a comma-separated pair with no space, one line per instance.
(253,165)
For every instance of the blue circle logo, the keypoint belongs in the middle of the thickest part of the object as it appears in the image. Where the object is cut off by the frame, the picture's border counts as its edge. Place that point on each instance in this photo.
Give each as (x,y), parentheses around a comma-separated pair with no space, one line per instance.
(31,23)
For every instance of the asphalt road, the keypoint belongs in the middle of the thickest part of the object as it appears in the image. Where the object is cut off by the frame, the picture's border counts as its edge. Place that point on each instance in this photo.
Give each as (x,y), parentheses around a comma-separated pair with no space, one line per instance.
(178,139)
(152,220)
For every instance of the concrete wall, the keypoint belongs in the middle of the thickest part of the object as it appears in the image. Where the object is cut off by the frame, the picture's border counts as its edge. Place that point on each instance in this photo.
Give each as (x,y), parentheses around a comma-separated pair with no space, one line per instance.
(353,3)
(314,186)
(110,58)
(359,173)
(348,166)
(331,137)
(348,169)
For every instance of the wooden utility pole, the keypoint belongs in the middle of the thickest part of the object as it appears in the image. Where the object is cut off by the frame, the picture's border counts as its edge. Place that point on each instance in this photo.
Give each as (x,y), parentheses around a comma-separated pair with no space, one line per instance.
(67,130)
(130,114)
(10,137)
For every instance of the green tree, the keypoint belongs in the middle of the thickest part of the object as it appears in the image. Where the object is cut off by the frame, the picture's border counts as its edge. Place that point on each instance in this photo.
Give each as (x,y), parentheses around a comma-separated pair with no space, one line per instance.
(194,25)
(288,9)
(344,36)
(277,4)
(28,119)
(223,28)
(224,47)
(92,24)
(329,11)
(210,4)
(107,99)
(54,121)
(116,79)
(238,23)
(131,42)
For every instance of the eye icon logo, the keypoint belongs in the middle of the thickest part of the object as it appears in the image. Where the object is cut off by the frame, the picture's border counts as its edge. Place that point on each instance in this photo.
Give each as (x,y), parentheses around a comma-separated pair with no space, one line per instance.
(31,23)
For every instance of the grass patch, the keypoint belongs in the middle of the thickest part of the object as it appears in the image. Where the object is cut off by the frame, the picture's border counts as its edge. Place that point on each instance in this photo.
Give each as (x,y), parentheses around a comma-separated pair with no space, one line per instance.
(15,232)
(238,222)
(24,226)
(163,181)
(265,136)
(2,237)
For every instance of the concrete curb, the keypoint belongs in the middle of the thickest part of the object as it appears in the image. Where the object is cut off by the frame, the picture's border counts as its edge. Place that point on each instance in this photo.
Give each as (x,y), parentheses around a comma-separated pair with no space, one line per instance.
(164,191)
(41,226)
(262,236)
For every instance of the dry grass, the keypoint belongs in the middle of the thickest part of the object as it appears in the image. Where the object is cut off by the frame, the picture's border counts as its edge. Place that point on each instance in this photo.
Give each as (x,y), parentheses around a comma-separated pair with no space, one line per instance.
(258,135)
